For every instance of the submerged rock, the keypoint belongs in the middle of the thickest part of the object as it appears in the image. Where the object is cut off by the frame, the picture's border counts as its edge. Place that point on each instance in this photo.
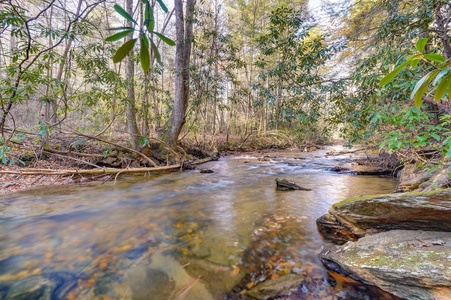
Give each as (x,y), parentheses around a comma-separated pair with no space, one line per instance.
(46,286)
(282,286)
(218,279)
(410,211)
(148,283)
(406,263)
(199,251)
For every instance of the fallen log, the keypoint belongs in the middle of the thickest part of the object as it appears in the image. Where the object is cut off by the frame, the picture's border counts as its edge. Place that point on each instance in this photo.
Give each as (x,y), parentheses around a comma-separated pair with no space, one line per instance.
(101,171)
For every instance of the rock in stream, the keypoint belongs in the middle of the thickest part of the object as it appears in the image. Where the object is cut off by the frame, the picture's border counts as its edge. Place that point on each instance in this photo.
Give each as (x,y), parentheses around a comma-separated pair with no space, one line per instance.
(410,264)
(400,243)
(410,211)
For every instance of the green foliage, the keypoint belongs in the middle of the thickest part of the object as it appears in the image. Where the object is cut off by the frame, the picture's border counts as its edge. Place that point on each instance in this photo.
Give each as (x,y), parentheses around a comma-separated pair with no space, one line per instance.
(439,75)
(386,29)
(123,50)
(125,14)
(293,53)
(145,34)
(3,155)
(44,128)
(6,157)
(415,131)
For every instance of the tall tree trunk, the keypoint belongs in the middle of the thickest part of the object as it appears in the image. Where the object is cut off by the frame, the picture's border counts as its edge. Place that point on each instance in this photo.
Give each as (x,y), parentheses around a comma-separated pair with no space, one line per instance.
(442,21)
(184,33)
(132,124)
(48,100)
(61,68)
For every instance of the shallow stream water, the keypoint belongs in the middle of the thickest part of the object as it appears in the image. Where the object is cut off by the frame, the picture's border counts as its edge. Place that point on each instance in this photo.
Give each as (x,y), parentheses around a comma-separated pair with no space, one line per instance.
(182,235)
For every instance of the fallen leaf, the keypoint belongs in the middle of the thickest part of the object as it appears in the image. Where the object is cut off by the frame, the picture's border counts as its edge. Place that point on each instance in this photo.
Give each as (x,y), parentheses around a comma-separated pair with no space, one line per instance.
(123,248)
(235,271)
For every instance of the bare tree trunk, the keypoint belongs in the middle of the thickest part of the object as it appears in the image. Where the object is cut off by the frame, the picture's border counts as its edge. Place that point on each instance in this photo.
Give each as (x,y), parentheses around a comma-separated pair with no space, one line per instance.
(184,32)
(131,108)
(48,99)
(59,75)
(442,22)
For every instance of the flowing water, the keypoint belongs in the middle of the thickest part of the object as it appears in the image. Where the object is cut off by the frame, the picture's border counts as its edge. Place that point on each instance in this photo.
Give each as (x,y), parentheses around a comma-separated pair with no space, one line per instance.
(183,235)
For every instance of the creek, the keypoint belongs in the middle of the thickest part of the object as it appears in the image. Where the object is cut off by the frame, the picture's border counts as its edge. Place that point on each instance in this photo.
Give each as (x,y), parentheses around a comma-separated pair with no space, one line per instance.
(184,235)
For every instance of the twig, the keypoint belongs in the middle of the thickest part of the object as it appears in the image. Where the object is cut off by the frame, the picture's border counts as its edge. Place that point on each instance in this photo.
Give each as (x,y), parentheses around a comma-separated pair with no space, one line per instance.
(76,159)
(182,294)
(115,177)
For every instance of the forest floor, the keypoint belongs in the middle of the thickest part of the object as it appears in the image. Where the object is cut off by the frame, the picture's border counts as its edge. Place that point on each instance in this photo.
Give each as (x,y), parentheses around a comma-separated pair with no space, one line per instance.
(15,182)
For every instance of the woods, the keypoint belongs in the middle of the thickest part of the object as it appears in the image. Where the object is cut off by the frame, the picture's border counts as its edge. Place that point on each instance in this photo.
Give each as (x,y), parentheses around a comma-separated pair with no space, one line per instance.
(221,74)
(296,108)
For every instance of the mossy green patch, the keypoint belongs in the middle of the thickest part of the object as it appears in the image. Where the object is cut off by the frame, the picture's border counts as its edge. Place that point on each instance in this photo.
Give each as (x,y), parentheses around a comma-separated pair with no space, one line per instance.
(387,197)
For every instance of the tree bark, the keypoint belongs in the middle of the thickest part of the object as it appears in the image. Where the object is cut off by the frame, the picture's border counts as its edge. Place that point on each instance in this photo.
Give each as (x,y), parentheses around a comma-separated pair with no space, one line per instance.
(184,33)
(132,124)
(442,22)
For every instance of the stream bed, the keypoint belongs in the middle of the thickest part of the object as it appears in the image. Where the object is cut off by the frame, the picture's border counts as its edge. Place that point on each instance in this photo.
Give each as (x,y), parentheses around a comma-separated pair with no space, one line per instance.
(185,235)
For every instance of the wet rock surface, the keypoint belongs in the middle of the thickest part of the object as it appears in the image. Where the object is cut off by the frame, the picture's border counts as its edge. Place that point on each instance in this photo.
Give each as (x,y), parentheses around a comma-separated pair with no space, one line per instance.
(332,229)
(285,185)
(407,263)
(282,286)
(410,211)
(414,179)
(354,168)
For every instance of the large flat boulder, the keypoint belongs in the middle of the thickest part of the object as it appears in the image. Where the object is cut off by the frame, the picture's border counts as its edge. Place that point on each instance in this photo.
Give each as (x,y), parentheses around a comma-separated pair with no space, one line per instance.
(409,211)
(406,263)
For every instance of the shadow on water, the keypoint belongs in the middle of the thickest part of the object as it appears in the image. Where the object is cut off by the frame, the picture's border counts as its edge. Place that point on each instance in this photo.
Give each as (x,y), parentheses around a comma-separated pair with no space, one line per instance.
(182,235)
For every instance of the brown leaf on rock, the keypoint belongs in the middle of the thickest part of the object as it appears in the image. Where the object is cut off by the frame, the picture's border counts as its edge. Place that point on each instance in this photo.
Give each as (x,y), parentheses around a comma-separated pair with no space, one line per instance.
(235,271)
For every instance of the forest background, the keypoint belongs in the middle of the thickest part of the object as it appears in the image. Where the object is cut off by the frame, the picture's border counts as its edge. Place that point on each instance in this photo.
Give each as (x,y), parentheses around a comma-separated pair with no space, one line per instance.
(159,78)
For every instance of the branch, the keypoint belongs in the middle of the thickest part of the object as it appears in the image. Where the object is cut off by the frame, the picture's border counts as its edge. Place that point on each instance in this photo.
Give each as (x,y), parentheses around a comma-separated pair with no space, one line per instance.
(440,105)
(319,82)
(148,159)
(102,171)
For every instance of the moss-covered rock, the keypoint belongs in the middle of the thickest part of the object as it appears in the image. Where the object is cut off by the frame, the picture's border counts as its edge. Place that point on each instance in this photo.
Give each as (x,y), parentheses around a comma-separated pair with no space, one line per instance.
(406,263)
(409,211)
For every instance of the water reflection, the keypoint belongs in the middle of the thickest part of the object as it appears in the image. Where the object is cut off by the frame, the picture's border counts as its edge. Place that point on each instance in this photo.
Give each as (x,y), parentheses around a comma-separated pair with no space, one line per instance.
(179,236)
